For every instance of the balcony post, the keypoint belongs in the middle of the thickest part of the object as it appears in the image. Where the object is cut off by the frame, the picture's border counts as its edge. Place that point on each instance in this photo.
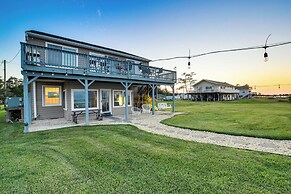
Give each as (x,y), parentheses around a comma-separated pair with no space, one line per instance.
(22,55)
(25,102)
(86,102)
(153,86)
(127,69)
(173,102)
(157,95)
(126,85)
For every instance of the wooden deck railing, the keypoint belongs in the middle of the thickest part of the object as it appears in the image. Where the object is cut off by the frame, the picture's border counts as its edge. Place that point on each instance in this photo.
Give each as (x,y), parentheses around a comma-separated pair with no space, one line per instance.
(50,59)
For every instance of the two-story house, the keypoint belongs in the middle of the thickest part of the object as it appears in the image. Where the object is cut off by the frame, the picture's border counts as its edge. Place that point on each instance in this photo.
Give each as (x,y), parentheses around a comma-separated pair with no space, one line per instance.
(62,77)
(209,90)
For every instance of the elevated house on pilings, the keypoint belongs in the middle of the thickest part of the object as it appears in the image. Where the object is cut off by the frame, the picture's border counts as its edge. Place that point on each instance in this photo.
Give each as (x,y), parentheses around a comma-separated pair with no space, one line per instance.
(62,76)
(209,90)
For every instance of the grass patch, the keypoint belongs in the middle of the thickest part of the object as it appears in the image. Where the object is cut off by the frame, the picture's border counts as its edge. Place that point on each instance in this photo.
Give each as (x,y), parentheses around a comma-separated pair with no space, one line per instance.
(118,159)
(266,118)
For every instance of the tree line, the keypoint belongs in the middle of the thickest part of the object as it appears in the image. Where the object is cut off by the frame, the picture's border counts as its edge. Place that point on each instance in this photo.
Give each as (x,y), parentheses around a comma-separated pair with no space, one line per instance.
(14,88)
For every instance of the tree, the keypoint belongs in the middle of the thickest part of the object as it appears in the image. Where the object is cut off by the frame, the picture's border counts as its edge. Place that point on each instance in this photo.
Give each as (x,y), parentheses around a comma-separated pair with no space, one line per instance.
(2,92)
(14,87)
(163,91)
(1,83)
(186,80)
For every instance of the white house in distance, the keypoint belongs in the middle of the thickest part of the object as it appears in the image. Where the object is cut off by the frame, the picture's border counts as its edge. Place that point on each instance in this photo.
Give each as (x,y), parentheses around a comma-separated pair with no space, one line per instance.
(245,91)
(209,90)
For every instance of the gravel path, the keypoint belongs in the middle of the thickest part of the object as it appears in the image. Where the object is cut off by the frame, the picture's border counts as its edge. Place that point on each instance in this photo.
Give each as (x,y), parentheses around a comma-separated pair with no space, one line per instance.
(152,124)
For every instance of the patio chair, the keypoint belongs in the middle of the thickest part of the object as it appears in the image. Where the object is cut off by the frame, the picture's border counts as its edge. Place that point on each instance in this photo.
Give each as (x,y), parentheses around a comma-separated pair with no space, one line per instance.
(135,110)
(163,106)
(146,108)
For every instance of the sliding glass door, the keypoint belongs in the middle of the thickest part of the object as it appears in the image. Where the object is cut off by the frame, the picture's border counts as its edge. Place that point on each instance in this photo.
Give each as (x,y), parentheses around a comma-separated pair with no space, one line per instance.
(105,100)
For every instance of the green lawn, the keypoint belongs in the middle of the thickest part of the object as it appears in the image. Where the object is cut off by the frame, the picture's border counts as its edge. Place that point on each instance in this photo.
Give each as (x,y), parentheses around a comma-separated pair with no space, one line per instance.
(266,118)
(124,159)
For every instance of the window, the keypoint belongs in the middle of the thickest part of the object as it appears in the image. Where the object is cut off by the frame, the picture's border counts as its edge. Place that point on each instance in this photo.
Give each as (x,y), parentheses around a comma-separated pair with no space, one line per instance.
(119,98)
(57,56)
(51,96)
(78,99)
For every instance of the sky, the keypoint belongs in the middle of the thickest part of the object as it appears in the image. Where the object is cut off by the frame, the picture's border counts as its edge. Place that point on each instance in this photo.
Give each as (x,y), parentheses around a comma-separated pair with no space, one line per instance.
(166,28)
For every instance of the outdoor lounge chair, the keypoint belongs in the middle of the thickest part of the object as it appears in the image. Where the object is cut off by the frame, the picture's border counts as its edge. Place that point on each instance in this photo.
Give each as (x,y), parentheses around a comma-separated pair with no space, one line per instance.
(146,108)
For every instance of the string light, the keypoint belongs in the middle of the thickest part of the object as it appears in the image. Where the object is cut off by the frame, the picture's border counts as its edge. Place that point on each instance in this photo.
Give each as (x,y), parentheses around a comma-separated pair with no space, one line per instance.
(189,64)
(266,56)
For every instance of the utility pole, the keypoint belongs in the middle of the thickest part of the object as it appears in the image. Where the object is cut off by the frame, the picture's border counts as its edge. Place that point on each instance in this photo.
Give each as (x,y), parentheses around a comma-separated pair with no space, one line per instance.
(5,92)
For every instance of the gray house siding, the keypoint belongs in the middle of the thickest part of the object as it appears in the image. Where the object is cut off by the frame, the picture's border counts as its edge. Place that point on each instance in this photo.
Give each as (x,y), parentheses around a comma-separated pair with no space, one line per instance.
(61,111)
(47,112)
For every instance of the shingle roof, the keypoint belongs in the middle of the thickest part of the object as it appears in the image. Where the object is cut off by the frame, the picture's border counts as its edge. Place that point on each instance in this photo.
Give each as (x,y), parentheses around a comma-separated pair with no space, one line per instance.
(215,83)
(88,44)
(242,87)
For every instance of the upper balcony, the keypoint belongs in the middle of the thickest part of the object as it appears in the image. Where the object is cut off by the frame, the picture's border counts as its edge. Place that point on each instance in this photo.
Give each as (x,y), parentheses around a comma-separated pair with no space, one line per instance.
(43,59)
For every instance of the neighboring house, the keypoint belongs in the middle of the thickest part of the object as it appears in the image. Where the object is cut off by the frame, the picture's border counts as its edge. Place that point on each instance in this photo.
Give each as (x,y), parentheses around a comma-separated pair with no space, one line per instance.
(161,96)
(209,90)
(64,76)
(244,91)
(183,96)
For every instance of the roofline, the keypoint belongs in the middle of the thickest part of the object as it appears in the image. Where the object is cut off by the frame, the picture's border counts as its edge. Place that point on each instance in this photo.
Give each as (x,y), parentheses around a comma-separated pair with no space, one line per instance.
(209,81)
(85,44)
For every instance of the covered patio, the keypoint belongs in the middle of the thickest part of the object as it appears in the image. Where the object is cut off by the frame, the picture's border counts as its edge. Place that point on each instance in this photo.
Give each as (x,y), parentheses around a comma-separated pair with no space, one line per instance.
(144,118)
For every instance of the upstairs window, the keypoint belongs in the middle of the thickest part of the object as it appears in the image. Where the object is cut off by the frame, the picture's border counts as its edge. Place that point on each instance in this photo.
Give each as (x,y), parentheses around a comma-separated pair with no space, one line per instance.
(59,55)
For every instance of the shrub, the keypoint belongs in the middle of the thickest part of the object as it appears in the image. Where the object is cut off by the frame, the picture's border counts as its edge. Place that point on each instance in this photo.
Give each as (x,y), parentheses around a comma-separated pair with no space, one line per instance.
(289,98)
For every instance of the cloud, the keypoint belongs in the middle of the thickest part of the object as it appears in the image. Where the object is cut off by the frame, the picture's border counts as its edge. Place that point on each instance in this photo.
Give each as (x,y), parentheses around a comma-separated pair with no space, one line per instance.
(98,12)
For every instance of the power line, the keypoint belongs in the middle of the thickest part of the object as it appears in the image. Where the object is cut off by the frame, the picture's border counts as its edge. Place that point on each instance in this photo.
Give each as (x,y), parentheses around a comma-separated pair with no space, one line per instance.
(14,56)
(223,51)
(268,86)
(262,86)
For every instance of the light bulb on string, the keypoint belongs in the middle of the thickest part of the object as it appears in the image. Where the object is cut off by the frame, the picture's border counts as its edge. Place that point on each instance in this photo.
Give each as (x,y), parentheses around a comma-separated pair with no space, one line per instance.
(266,56)
(189,64)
